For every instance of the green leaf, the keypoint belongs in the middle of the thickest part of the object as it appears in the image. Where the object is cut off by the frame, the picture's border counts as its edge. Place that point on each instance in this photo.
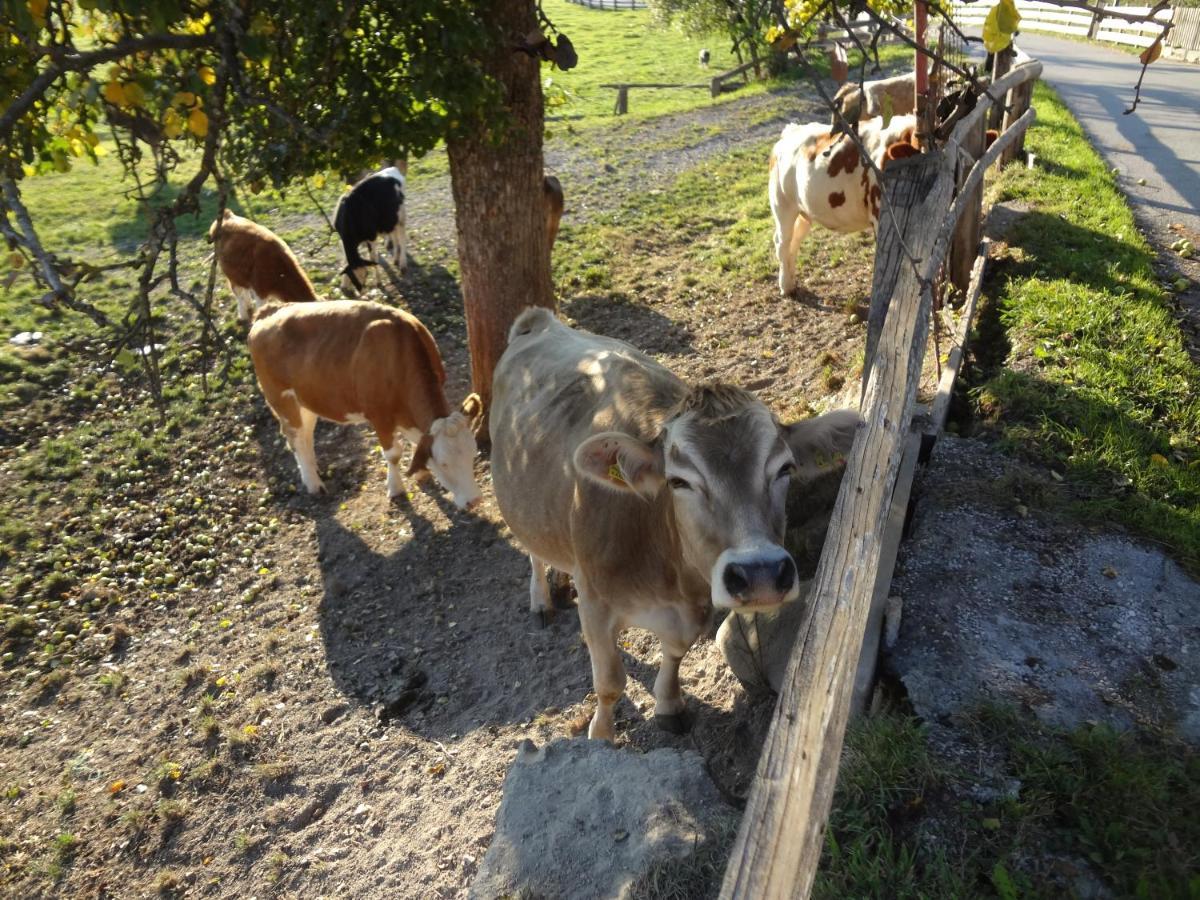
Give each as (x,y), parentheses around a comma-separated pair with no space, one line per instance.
(1003,883)
(1001,24)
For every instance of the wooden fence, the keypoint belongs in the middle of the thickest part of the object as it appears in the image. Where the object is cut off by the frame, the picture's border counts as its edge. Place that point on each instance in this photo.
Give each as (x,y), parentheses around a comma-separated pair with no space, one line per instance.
(782,832)
(611,4)
(1039,16)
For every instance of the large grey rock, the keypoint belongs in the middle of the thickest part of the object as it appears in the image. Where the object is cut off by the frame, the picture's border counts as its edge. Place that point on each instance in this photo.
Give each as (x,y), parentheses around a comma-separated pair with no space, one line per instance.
(582,819)
(1009,606)
(757,647)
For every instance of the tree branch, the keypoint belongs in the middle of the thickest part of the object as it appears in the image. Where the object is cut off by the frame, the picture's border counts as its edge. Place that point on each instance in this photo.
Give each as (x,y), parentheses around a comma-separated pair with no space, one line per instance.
(29,239)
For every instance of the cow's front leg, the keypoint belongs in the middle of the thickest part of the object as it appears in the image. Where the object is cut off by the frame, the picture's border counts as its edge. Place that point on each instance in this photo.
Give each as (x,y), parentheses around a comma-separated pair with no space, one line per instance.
(669,707)
(608,672)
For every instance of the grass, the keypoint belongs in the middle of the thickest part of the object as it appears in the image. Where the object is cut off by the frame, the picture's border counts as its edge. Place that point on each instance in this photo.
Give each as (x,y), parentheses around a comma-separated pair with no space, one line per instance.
(628,47)
(1090,806)
(1096,381)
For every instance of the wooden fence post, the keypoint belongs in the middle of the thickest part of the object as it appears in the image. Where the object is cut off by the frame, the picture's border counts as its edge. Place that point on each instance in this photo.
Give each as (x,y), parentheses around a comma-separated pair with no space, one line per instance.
(1019,99)
(622,106)
(783,828)
(1000,65)
(966,236)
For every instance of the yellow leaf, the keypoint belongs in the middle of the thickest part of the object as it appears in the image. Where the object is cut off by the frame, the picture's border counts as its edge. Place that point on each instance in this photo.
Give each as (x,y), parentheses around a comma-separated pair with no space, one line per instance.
(29,171)
(134,95)
(1000,25)
(91,139)
(114,93)
(37,8)
(198,123)
(1157,459)
(116,787)
(184,98)
(172,123)
(207,75)
(1151,53)
(250,730)
(318,180)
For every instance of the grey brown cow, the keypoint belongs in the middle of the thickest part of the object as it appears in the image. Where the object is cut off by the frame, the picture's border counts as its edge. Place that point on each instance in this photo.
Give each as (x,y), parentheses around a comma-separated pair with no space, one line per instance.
(662,499)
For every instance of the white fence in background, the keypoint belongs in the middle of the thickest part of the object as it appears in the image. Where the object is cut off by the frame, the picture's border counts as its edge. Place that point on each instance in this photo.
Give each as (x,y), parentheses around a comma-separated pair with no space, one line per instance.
(1038,16)
(611,4)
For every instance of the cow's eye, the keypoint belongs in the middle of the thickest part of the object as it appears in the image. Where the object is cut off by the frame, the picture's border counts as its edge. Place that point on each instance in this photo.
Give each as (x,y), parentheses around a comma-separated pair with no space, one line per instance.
(787,470)
(679,484)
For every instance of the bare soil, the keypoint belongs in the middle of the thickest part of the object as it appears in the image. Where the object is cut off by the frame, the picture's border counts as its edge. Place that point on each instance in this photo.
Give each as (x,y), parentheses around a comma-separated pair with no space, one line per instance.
(332,706)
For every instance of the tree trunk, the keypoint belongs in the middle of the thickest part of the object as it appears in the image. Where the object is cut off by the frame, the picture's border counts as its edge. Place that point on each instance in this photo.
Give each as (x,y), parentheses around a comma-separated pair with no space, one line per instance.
(499,207)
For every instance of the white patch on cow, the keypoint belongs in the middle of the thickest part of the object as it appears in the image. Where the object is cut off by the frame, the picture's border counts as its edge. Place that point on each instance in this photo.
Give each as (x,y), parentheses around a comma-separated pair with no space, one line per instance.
(394,173)
(452,459)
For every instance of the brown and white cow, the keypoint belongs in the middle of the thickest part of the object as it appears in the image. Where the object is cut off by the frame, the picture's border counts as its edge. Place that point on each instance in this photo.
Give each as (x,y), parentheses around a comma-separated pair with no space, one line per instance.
(552,193)
(662,499)
(348,361)
(816,175)
(258,264)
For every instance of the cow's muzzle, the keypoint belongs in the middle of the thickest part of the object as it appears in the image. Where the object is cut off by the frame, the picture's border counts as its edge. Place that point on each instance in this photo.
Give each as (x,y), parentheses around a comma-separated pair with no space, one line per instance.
(756,577)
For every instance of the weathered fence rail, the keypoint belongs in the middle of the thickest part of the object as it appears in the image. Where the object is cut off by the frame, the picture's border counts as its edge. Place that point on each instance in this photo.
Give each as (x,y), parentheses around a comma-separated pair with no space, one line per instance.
(782,832)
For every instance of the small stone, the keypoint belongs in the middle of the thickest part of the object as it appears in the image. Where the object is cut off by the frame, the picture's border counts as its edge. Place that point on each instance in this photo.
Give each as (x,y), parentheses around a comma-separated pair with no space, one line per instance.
(331,714)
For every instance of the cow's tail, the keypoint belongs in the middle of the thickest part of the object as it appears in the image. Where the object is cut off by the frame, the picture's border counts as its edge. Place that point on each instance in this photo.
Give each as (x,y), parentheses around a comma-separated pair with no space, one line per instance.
(532,320)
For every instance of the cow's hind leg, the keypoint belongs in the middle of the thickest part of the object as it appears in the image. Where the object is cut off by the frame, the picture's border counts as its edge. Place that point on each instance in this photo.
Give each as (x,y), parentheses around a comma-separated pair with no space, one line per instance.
(608,672)
(399,241)
(539,590)
(791,228)
(301,442)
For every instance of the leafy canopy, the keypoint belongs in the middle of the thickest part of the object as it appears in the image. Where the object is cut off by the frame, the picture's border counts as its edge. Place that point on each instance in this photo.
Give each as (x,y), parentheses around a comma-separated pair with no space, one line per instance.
(300,87)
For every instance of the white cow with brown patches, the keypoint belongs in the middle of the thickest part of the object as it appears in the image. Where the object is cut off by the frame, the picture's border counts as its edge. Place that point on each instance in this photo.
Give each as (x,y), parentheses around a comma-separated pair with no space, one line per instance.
(662,499)
(817,175)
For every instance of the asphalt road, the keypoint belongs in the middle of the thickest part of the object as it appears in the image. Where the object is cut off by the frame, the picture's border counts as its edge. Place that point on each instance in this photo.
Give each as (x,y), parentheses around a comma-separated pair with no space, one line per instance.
(1159,142)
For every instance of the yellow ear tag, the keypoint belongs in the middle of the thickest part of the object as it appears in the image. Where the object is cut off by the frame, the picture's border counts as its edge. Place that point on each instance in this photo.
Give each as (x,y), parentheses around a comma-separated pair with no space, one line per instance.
(615,474)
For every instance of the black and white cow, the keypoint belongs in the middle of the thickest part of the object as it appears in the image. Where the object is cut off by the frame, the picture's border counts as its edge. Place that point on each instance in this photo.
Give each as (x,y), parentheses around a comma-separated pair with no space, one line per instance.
(373,207)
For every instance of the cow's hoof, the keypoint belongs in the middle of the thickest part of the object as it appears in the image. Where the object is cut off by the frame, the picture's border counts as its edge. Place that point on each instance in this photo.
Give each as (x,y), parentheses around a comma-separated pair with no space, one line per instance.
(677,723)
(544,617)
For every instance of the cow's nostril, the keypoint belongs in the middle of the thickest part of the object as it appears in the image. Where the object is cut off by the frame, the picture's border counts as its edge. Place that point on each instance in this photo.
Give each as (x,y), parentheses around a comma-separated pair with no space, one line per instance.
(785,575)
(736,580)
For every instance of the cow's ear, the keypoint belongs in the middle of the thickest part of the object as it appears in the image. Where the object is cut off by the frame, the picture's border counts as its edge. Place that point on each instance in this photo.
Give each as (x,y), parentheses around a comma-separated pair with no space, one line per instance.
(620,462)
(822,442)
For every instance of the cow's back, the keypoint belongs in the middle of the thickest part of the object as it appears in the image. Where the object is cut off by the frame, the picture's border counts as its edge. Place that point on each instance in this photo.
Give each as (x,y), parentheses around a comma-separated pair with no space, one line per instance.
(343,358)
(823,170)
(554,387)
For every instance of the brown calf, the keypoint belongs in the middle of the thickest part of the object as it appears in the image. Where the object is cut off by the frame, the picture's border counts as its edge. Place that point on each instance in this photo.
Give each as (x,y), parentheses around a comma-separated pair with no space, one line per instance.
(258,264)
(348,361)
